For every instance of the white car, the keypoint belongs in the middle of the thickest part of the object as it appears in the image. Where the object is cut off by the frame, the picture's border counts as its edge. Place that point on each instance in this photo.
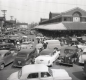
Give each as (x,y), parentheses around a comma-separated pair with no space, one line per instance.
(82,57)
(47,57)
(39,72)
(81,46)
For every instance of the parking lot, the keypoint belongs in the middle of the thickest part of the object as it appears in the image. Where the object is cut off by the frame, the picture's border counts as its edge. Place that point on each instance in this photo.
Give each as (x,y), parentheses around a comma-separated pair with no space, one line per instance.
(76,72)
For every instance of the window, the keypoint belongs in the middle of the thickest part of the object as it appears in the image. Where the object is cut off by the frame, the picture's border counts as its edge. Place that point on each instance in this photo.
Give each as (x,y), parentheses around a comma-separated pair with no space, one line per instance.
(33,75)
(45,74)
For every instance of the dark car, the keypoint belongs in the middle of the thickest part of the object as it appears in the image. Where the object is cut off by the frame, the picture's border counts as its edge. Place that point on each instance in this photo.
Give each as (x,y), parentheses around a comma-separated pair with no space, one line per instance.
(8,46)
(24,57)
(84,69)
(6,57)
(69,55)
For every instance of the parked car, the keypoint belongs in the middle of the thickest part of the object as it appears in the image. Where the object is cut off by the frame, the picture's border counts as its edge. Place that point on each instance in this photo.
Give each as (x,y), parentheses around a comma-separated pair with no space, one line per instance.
(8,46)
(68,56)
(6,57)
(84,69)
(47,57)
(23,57)
(39,72)
(52,44)
(82,57)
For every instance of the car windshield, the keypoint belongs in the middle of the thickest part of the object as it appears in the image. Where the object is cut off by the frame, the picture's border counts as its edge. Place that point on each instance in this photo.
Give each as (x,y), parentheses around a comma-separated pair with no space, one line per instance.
(21,55)
(68,51)
(4,47)
(45,53)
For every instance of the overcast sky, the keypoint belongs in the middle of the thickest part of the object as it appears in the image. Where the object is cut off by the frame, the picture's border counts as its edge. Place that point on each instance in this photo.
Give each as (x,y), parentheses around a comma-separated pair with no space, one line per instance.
(32,10)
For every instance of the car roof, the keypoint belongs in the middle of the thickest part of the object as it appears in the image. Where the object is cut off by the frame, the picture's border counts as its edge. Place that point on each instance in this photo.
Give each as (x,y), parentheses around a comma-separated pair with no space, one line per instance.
(6,44)
(32,68)
(71,47)
(47,51)
(26,51)
(3,51)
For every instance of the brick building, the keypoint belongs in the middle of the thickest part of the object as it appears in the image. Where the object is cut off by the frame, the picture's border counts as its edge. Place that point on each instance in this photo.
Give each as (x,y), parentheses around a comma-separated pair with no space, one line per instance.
(66,23)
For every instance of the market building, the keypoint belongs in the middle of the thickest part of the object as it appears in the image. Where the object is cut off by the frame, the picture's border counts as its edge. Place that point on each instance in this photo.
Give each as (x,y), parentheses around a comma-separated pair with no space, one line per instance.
(66,23)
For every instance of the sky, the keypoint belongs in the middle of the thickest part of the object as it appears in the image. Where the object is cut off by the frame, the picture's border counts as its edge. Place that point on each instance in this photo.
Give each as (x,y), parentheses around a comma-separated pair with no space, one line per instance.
(30,11)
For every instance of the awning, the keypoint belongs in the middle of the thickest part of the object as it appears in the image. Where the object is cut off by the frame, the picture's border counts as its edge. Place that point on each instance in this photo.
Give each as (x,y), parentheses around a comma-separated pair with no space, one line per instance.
(63,26)
(75,25)
(54,26)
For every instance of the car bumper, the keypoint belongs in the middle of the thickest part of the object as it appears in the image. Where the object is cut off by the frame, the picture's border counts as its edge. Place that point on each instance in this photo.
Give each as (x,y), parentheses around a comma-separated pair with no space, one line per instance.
(70,64)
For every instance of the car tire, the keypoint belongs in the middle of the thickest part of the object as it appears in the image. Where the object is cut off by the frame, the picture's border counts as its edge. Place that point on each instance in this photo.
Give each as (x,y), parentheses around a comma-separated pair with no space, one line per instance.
(2,66)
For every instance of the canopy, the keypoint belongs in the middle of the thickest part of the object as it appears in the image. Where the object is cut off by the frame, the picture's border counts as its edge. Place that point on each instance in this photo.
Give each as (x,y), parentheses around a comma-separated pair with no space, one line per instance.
(63,26)
(54,26)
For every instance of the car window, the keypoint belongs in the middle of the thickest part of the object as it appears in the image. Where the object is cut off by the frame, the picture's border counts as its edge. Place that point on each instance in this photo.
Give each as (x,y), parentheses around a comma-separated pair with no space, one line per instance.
(45,74)
(32,75)
(8,53)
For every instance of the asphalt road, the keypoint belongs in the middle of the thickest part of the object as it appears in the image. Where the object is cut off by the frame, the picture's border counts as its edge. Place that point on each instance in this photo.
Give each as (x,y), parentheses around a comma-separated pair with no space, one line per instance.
(75,72)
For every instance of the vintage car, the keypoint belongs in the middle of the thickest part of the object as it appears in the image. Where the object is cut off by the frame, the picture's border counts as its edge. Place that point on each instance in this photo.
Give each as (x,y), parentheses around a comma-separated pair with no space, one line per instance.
(53,43)
(68,56)
(23,57)
(7,46)
(6,57)
(47,57)
(82,57)
(26,45)
(39,72)
(84,69)
(81,46)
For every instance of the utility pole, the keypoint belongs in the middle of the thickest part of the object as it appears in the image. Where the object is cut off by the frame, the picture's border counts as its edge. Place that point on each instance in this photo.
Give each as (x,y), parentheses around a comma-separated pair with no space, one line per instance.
(11,17)
(4,13)
(3,22)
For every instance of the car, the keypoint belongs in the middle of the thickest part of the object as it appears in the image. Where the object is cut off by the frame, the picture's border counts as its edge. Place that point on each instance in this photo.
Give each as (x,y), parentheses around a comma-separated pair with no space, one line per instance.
(23,57)
(81,46)
(82,57)
(84,68)
(68,56)
(26,45)
(8,46)
(52,44)
(47,57)
(39,72)
(6,57)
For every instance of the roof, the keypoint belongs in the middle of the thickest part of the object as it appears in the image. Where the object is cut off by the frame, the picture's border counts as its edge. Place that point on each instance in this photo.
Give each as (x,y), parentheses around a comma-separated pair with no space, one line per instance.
(26,51)
(71,47)
(53,26)
(71,11)
(3,51)
(63,26)
(34,68)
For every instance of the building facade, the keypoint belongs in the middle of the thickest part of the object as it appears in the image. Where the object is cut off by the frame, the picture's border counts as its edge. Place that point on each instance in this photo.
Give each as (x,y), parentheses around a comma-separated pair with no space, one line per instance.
(66,23)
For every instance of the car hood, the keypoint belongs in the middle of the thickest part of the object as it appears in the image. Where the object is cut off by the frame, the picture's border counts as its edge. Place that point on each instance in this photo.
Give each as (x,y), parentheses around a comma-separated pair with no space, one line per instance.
(13,76)
(60,74)
(43,57)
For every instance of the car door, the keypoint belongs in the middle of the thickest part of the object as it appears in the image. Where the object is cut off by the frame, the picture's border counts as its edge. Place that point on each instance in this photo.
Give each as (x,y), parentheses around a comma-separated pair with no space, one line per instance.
(8,57)
(33,76)
(45,76)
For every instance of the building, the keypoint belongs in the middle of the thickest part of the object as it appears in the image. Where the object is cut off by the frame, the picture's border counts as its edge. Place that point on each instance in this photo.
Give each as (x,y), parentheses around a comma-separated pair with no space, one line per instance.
(66,23)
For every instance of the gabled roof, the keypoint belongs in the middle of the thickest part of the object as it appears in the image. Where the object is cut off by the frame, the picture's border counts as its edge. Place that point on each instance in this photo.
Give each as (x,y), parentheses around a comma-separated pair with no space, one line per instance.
(71,11)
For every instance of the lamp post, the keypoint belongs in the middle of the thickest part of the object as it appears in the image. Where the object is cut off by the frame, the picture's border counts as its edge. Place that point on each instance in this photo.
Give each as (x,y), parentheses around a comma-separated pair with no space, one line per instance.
(3,22)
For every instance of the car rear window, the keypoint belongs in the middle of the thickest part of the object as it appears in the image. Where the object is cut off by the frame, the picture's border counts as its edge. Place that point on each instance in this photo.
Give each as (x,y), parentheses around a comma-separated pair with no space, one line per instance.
(66,51)
(22,55)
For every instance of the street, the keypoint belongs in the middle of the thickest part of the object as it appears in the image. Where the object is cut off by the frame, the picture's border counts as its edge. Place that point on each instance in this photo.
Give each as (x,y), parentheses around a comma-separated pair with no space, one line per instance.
(75,72)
